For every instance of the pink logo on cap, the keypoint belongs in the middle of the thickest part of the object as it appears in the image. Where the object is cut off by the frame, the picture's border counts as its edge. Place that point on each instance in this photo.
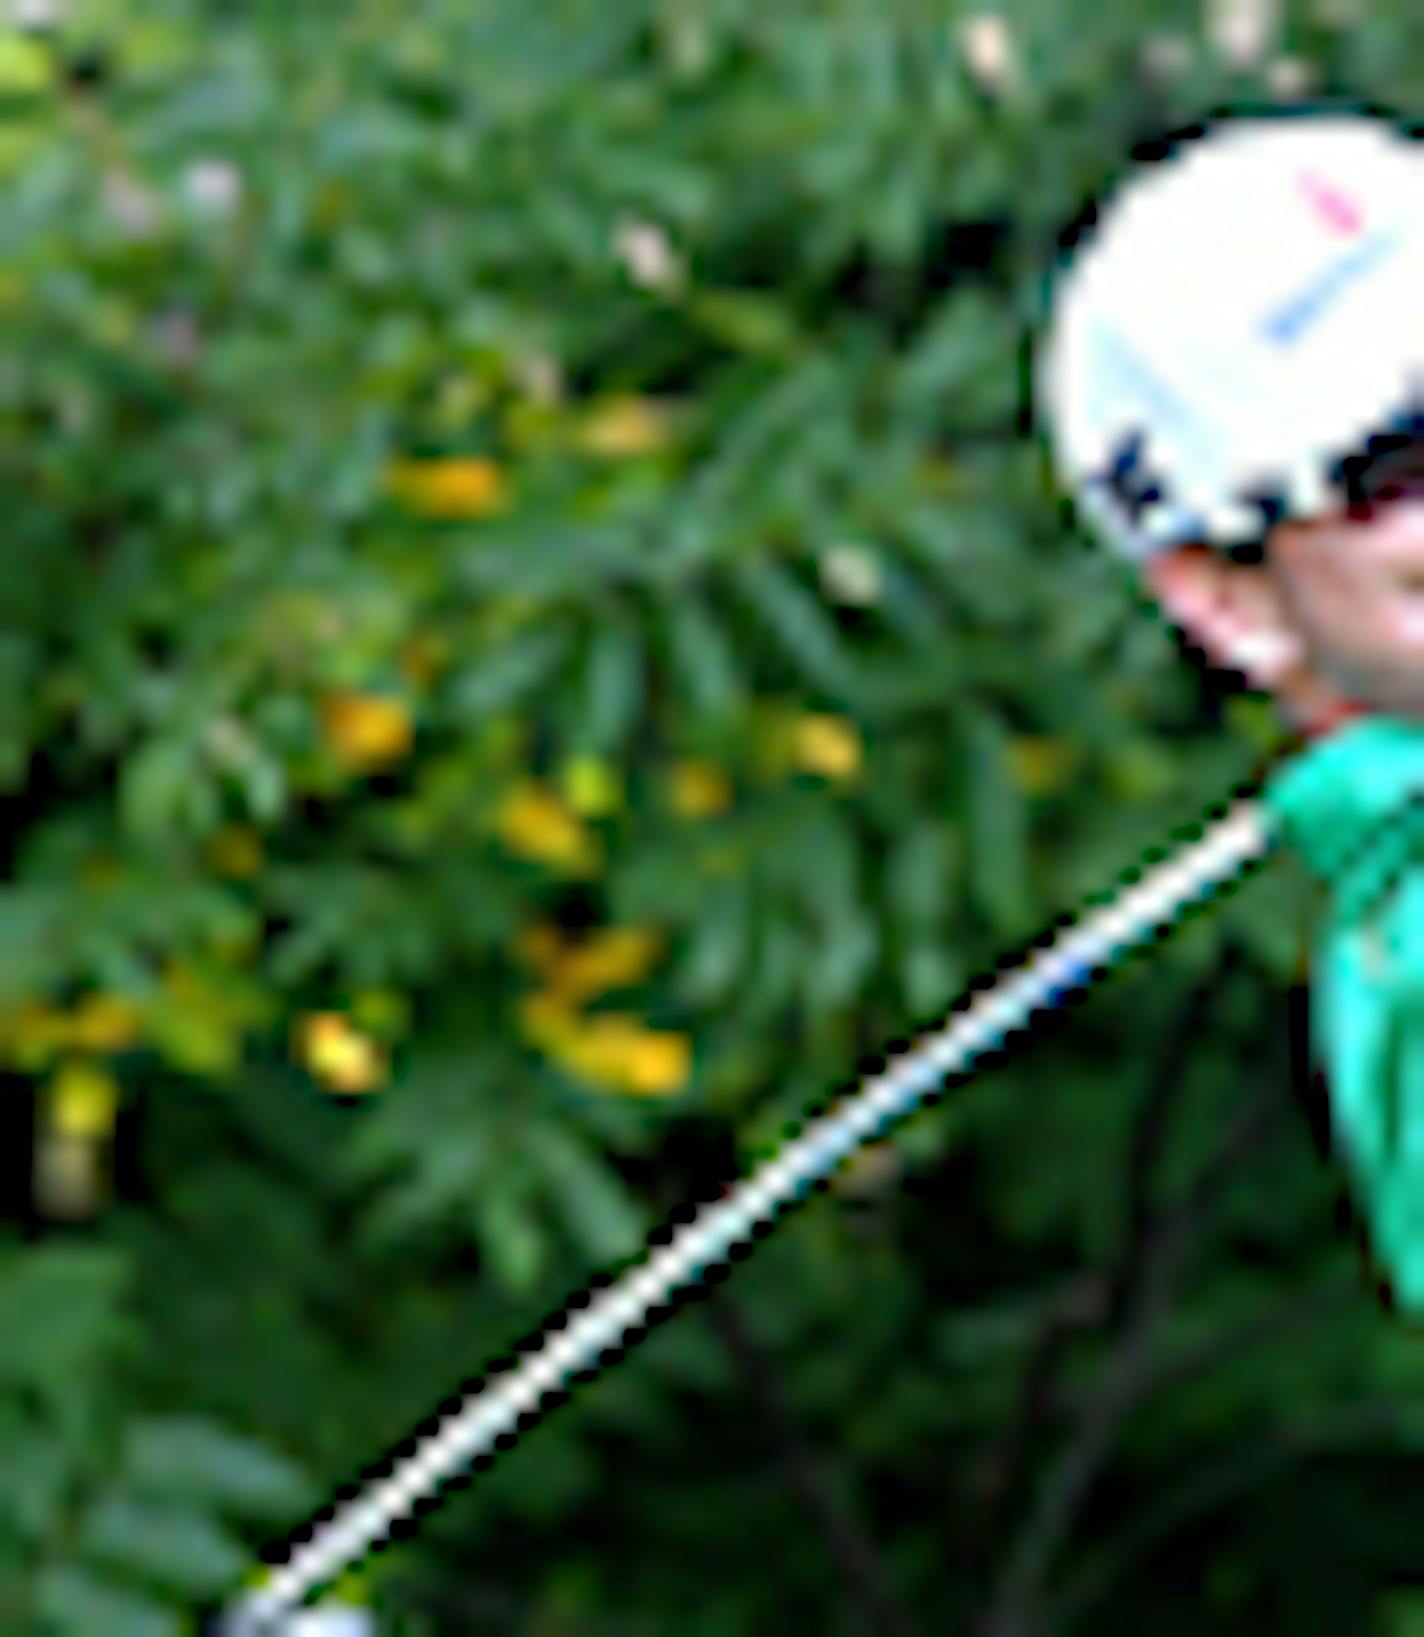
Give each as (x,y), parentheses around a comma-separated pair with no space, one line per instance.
(1335,208)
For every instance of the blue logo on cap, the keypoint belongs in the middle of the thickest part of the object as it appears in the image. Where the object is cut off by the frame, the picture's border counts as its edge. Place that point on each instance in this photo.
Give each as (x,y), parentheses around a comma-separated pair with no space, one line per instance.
(1289,322)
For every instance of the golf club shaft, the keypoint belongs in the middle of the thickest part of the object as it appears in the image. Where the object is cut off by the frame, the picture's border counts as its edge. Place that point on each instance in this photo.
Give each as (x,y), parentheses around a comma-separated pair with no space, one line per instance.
(510,1402)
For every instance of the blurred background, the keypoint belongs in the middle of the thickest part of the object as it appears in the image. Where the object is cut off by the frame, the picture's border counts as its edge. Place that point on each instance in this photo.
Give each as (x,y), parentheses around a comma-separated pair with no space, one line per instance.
(535,639)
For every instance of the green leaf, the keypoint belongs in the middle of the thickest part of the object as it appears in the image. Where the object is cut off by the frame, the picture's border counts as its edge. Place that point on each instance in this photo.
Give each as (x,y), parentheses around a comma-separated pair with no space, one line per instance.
(34,938)
(60,1315)
(745,320)
(168,1545)
(442,1178)
(263,781)
(908,608)
(771,973)
(920,871)
(506,678)
(76,1603)
(931,980)
(996,856)
(801,625)
(185,1458)
(600,1213)
(509,1232)
(18,680)
(611,688)
(166,792)
(717,955)
(39,1470)
(897,219)
(964,362)
(701,657)
(840,963)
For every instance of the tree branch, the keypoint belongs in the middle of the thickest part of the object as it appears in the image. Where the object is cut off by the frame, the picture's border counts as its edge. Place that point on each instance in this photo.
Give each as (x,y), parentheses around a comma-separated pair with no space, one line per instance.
(1162,1249)
(850,1549)
(1294,1311)
(1104,1299)
(496,1609)
(1150,1129)
(1208,1488)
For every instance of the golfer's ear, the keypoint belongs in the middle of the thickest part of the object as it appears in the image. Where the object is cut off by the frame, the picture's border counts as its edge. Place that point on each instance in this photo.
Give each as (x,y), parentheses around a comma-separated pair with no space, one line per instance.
(1230,610)
(1189,587)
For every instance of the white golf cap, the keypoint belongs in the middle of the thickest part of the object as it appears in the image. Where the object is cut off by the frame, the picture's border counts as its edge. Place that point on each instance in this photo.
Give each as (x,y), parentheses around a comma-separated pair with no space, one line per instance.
(1241,329)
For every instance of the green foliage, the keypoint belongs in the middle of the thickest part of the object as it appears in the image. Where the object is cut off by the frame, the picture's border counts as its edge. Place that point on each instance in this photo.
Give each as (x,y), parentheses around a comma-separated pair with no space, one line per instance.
(112,1520)
(667,305)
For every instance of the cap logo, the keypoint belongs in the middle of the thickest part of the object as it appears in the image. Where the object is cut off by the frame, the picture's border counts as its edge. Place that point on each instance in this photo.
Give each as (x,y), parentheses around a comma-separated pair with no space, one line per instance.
(1344,218)
(1337,210)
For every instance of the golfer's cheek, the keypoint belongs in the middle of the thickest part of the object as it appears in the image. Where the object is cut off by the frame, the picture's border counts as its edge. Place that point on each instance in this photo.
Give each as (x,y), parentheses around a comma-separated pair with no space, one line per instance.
(1353,625)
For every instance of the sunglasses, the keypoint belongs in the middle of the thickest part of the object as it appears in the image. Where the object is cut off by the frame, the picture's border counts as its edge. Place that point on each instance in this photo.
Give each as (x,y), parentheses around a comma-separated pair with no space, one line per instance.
(1391,474)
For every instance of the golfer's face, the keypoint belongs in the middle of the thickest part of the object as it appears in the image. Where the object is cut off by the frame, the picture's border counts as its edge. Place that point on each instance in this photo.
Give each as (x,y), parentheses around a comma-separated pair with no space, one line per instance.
(1354,586)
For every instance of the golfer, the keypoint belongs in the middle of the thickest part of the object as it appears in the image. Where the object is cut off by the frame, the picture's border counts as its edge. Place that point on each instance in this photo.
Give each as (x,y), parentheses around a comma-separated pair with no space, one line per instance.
(1235,386)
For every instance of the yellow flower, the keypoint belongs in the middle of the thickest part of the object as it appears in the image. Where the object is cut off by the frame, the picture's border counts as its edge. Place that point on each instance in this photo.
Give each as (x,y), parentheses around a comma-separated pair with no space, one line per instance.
(1041,764)
(613,958)
(452,488)
(83,1102)
(533,823)
(624,427)
(339,1055)
(105,1023)
(591,787)
(619,1054)
(697,789)
(236,851)
(828,745)
(366,730)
